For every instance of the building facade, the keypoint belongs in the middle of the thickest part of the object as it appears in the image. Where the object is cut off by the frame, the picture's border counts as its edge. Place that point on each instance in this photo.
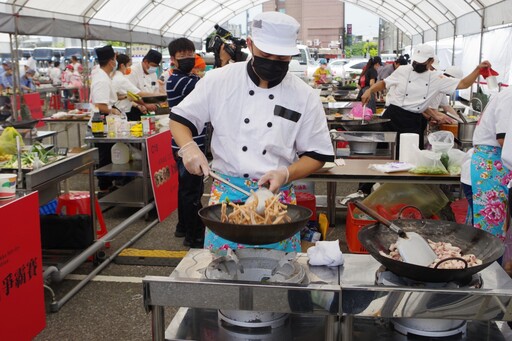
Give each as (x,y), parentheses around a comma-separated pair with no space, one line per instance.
(321,21)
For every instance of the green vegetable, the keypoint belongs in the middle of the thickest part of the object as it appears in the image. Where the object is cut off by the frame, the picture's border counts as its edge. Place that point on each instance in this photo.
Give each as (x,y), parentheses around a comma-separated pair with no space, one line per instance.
(444,160)
(428,170)
(454,170)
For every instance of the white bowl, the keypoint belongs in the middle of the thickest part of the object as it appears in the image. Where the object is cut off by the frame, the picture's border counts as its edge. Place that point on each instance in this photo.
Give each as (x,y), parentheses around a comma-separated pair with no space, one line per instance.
(7,185)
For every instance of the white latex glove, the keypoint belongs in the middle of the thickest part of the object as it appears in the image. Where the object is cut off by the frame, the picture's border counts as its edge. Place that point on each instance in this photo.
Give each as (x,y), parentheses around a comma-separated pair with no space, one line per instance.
(275,178)
(194,159)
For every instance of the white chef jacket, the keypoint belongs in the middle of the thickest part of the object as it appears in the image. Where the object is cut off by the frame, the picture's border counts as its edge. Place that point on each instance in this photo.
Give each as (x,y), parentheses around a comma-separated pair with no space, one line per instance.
(506,152)
(144,82)
(414,91)
(255,129)
(493,122)
(465,169)
(102,90)
(438,101)
(121,86)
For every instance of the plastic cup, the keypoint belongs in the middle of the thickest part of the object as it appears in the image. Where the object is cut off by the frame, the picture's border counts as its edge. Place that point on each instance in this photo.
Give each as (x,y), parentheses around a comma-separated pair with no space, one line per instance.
(7,185)
(492,83)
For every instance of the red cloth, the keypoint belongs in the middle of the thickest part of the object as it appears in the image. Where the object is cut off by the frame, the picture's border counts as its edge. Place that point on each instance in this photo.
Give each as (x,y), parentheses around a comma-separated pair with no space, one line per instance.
(486,72)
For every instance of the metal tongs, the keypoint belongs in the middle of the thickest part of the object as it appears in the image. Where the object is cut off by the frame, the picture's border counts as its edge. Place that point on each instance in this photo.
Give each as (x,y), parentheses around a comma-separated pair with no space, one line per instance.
(262,194)
(19,179)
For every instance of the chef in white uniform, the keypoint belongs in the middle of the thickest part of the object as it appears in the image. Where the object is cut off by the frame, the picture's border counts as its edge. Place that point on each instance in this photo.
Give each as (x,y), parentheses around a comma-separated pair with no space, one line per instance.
(269,126)
(489,176)
(412,87)
(143,76)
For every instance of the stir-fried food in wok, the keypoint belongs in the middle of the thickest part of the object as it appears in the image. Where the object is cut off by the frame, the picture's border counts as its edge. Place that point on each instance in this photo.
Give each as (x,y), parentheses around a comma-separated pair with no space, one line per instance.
(275,213)
(443,251)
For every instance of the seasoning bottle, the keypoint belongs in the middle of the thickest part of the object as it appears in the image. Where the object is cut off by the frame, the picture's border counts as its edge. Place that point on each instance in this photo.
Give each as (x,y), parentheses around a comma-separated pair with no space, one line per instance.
(97,125)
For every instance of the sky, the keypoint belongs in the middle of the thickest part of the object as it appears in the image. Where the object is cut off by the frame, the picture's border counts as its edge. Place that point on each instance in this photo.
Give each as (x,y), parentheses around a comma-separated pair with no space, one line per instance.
(363,22)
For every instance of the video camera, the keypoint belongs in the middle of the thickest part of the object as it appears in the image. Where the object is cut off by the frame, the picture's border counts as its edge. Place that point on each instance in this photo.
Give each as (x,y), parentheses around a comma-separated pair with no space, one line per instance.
(232,45)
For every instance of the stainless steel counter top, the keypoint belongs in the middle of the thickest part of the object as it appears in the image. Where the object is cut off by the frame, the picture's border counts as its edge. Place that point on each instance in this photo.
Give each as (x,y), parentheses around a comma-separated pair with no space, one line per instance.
(188,287)
(362,297)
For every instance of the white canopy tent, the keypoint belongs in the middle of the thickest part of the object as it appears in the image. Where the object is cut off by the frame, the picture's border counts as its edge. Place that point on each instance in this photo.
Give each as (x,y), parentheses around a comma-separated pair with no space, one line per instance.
(142,21)
(157,22)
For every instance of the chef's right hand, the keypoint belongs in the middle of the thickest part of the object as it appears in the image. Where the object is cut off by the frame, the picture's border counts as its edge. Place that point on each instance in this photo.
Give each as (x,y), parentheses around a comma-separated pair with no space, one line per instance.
(365,98)
(194,159)
(484,64)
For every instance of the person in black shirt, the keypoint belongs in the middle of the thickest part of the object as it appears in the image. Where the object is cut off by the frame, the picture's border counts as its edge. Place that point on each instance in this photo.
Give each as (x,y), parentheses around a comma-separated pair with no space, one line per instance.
(368,78)
(190,186)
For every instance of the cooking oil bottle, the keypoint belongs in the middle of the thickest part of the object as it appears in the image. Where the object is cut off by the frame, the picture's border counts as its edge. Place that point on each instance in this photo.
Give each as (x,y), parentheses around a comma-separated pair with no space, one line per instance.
(97,125)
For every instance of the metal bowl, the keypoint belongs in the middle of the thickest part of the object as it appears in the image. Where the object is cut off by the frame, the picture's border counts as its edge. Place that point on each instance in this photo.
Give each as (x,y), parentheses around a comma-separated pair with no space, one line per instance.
(363,147)
(255,234)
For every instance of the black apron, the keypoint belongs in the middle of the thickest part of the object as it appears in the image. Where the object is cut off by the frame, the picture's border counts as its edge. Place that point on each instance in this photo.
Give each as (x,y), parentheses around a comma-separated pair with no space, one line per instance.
(404,121)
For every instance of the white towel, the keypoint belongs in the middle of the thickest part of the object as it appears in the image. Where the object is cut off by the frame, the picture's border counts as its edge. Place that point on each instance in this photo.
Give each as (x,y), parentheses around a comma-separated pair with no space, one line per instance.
(325,253)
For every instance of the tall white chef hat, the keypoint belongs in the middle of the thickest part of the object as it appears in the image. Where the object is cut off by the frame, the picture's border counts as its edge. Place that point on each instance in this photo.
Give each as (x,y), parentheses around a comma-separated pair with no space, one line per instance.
(275,33)
(422,53)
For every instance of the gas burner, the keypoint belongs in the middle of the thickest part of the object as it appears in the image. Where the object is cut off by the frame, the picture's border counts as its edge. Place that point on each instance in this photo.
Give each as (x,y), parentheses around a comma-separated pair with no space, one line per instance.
(387,278)
(255,265)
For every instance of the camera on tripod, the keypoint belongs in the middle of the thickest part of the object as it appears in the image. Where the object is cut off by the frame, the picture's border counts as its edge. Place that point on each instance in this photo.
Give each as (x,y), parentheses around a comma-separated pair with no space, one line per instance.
(232,45)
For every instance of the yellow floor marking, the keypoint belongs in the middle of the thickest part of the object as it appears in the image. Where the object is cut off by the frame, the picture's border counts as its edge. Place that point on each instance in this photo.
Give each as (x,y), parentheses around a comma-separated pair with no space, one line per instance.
(152,253)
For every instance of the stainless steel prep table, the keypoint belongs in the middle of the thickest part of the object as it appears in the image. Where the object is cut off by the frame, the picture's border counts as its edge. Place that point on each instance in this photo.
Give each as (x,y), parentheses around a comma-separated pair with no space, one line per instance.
(362,308)
(78,121)
(188,287)
(137,193)
(363,299)
(356,171)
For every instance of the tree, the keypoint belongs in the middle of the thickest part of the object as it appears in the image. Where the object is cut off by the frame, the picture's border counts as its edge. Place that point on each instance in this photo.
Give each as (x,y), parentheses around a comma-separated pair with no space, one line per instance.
(361,48)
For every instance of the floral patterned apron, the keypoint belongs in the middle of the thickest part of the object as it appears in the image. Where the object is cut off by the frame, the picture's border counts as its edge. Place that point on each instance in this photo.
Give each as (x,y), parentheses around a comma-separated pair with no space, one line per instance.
(220,192)
(489,178)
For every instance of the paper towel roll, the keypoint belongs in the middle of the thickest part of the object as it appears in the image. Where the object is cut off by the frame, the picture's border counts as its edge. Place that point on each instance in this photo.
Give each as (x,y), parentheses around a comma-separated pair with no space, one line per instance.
(409,143)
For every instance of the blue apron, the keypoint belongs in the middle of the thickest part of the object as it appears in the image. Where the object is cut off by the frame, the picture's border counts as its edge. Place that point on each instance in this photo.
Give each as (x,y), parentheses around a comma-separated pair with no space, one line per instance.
(220,192)
(489,179)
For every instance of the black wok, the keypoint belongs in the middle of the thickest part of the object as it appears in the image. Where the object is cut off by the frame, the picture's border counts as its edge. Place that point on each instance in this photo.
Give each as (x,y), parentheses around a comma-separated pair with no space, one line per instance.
(255,234)
(482,244)
(154,99)
(24,124)
(378,124)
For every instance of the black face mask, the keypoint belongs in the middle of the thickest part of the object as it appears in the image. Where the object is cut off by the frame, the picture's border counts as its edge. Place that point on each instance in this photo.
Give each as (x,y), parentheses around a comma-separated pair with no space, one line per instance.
(186,64)
(270,70)
(419,68)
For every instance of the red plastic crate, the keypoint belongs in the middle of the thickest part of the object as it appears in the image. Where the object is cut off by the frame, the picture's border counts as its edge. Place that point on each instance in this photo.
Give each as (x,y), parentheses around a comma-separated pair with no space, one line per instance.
(307,200)
(353,225)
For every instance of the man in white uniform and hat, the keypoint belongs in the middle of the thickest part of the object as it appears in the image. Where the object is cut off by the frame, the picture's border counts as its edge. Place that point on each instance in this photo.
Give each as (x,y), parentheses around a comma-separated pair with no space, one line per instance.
(269,126)
(411,88)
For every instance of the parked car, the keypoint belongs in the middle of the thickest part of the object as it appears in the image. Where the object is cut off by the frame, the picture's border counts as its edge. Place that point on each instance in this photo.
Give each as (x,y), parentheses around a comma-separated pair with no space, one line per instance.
(302,65)
(354,67)
(337,66)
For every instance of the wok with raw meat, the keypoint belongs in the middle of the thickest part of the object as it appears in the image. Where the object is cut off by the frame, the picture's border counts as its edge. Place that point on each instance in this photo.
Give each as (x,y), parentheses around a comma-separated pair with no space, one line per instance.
(377,238)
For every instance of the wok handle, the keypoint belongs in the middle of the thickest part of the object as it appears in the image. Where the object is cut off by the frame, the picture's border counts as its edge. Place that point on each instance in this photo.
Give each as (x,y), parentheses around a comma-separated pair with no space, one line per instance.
(224,181)
(380,218)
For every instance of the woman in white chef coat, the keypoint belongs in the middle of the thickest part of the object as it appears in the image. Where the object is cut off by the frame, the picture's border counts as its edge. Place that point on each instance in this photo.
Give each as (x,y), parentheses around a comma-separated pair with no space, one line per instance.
(412,87)
(489,176)
(269,126)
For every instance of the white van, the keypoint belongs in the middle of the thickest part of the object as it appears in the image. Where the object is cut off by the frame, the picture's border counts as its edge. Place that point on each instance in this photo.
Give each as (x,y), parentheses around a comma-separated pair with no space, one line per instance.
(302,64)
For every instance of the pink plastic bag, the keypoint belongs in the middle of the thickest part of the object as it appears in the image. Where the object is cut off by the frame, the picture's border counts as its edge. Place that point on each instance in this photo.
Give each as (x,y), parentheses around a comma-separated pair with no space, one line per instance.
(357,112)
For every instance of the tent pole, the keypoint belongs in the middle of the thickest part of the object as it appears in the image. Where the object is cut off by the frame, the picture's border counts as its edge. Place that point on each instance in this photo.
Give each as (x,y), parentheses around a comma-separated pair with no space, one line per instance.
(453,46)
(398,52)
(15,73)
(437,37)
(482,26)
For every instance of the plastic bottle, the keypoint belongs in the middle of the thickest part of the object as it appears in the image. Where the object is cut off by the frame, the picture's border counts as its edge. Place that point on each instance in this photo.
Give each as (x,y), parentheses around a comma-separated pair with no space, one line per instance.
(97,125)
(120,153)
(111,125)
